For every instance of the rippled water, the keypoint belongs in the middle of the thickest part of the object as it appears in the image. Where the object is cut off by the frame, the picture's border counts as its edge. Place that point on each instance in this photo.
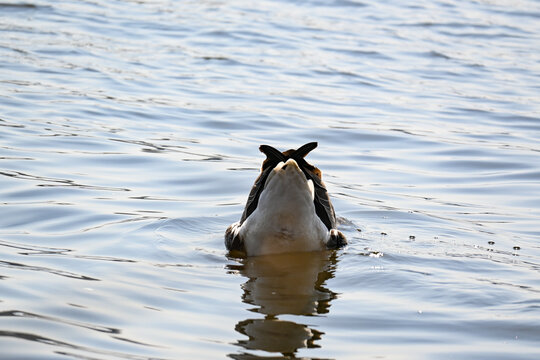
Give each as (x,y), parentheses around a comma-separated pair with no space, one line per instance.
(128,143)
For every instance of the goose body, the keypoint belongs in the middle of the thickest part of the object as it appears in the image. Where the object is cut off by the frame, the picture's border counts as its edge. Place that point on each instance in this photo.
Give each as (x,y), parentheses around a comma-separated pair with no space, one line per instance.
(288,209)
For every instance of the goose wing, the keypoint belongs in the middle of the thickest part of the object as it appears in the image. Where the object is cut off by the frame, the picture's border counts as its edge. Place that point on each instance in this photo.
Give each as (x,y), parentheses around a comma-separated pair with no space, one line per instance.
(323,206)
(273,157)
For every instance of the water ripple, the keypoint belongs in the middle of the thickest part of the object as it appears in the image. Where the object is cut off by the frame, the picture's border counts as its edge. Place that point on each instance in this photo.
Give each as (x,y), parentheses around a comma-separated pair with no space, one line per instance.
(68,274)
(129,135)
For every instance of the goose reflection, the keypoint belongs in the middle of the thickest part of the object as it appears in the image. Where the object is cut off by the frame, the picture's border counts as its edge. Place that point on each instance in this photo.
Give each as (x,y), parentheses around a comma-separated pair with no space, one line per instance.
(292,284)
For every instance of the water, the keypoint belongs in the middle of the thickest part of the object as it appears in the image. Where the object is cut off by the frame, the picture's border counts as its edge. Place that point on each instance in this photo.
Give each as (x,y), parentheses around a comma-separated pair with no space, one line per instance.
(128,143)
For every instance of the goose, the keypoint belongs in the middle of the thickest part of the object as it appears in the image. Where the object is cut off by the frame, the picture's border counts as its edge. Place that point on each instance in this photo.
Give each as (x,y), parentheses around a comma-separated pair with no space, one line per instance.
(288,208)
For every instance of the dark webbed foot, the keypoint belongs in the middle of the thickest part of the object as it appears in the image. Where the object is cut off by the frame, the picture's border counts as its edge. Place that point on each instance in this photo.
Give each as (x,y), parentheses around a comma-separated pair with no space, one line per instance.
(232,238)
(336,239)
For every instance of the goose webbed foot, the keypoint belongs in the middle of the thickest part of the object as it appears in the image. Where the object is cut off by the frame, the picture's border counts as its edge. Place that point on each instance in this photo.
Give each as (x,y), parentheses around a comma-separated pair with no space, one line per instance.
(233,241)
(336,239)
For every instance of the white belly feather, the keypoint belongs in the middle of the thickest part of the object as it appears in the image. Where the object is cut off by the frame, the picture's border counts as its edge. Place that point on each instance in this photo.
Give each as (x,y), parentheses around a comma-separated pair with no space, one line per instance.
(285,219)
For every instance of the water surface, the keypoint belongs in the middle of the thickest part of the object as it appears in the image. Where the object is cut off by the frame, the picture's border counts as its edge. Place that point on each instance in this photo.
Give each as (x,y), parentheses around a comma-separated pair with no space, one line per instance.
(129,134)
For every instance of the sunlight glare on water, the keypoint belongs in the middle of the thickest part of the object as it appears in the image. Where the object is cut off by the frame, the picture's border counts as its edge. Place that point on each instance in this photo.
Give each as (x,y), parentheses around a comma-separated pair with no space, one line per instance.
(129,135)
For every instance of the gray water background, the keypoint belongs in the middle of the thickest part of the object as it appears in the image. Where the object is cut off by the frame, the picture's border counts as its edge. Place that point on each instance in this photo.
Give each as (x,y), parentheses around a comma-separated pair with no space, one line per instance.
(129,134)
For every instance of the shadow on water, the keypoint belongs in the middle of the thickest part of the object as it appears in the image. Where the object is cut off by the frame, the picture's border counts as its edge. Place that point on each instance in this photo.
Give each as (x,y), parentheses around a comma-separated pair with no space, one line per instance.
(284,284)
